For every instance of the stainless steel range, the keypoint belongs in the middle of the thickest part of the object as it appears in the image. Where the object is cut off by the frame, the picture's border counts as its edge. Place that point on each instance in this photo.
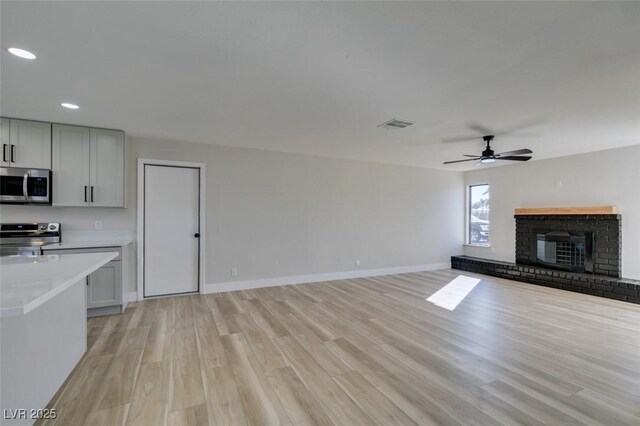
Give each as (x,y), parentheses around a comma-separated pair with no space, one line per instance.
(27,239)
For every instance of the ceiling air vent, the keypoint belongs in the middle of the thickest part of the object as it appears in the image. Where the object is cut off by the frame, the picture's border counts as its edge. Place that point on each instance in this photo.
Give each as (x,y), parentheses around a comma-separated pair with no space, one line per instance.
(396,124)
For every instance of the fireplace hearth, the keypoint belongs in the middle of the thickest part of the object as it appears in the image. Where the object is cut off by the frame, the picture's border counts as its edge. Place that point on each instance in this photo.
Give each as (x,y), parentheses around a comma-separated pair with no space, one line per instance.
(624,289)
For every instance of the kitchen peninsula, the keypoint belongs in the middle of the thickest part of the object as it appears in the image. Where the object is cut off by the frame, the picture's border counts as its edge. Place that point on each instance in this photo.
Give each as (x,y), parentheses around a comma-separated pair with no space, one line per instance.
(43,325)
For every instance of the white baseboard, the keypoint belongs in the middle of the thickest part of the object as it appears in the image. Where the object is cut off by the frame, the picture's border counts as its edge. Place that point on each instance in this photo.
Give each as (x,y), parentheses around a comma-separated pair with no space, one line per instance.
(314,278)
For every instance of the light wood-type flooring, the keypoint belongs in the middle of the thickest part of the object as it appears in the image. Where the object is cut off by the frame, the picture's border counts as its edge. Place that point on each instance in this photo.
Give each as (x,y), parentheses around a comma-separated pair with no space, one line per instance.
(361,352)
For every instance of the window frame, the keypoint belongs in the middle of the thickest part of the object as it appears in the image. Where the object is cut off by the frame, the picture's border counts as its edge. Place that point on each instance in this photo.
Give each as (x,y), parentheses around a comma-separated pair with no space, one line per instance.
(468,217)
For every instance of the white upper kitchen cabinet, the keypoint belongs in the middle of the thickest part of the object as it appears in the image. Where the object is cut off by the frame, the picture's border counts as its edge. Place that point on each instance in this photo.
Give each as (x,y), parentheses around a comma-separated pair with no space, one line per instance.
(88,166)
(29,144)
(71,165)
(6,143)
(107,168)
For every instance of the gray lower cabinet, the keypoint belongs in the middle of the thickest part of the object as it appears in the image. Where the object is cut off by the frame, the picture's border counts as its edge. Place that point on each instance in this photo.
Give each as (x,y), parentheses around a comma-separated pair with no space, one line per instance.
(104,286)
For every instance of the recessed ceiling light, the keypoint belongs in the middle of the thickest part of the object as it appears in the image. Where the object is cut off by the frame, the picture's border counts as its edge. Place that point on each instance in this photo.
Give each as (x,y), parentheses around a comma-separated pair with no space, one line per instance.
(21,53)
(70,106)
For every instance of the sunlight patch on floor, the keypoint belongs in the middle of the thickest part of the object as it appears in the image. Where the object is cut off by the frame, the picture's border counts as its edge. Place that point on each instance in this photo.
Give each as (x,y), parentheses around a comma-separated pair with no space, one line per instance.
(450,296)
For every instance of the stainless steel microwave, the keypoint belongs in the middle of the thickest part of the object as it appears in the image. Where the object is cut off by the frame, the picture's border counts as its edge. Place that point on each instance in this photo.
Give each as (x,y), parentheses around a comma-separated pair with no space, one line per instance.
(25,186)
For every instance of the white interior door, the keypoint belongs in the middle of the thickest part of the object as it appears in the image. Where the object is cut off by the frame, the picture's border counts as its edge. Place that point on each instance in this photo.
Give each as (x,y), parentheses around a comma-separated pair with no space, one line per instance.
(171,226)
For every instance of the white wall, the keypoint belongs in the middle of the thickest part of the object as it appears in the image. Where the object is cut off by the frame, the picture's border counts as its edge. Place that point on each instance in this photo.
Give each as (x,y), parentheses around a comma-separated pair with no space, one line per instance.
(610,177)
(273,214)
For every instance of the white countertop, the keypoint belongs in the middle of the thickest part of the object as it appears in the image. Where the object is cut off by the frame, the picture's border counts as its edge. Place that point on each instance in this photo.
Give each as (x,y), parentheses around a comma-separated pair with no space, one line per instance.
(80,239)
(30,281)
(79,244)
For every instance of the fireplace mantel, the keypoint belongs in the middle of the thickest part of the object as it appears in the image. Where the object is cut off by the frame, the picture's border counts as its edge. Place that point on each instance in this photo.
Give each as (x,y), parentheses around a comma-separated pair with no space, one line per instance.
(567,210)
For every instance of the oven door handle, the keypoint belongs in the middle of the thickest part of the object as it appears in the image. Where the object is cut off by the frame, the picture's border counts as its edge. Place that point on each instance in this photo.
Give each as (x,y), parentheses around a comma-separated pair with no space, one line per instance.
(25,186)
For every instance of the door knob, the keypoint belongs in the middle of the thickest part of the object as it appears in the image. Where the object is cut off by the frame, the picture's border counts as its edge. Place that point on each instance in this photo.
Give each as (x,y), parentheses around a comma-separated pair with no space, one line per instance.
(196,235)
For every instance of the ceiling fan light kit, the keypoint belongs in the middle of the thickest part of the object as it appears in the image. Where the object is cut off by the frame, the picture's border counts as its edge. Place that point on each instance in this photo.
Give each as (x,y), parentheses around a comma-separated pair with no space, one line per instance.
(489,156)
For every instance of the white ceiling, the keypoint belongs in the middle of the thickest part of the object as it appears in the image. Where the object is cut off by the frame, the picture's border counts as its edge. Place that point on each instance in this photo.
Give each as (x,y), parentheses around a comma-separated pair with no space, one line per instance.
(319,77)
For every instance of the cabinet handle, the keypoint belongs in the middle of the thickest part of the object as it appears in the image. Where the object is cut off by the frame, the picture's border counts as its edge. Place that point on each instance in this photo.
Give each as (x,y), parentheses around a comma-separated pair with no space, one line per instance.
(85,193)
(13,160)
(4,152)
(92,193)
(88,278)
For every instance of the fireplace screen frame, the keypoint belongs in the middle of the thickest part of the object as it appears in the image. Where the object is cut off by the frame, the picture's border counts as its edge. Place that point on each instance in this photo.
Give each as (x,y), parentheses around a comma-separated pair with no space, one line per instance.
(552,238)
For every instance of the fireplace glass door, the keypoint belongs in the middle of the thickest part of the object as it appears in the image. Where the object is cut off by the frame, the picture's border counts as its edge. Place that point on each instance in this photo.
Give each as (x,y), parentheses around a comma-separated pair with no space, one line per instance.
(564,250)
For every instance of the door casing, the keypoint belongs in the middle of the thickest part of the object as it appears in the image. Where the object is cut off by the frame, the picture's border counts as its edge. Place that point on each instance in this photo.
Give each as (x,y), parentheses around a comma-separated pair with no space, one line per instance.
(140,220)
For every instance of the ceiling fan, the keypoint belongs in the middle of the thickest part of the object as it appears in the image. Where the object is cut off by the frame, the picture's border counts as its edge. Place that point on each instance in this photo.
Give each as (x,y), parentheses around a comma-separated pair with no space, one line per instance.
(489,156)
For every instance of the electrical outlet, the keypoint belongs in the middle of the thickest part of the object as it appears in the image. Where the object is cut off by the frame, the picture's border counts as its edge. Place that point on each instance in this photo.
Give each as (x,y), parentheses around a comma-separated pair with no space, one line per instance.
(97,224)
(357,263)
(234,272)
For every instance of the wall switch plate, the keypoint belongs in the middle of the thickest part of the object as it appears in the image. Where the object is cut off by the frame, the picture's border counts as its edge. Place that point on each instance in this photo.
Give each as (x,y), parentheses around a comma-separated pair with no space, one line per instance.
(234,272)
(357,263)
(97,224)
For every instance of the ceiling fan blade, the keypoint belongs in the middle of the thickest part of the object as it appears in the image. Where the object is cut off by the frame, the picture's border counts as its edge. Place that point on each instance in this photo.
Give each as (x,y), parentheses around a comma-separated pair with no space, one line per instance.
(460,161)
(470,155)
(520,135)
(515,158)
(516,152)
(513,131)
(480,129)
(462,139)
(534,122)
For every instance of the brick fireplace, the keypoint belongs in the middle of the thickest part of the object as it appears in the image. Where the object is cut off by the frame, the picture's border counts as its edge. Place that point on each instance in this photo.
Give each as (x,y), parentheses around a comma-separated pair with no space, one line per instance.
(577,243)
(575,249)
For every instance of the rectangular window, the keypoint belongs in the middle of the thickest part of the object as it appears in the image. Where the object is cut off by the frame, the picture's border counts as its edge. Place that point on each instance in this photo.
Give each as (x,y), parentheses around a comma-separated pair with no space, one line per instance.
(478,200)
